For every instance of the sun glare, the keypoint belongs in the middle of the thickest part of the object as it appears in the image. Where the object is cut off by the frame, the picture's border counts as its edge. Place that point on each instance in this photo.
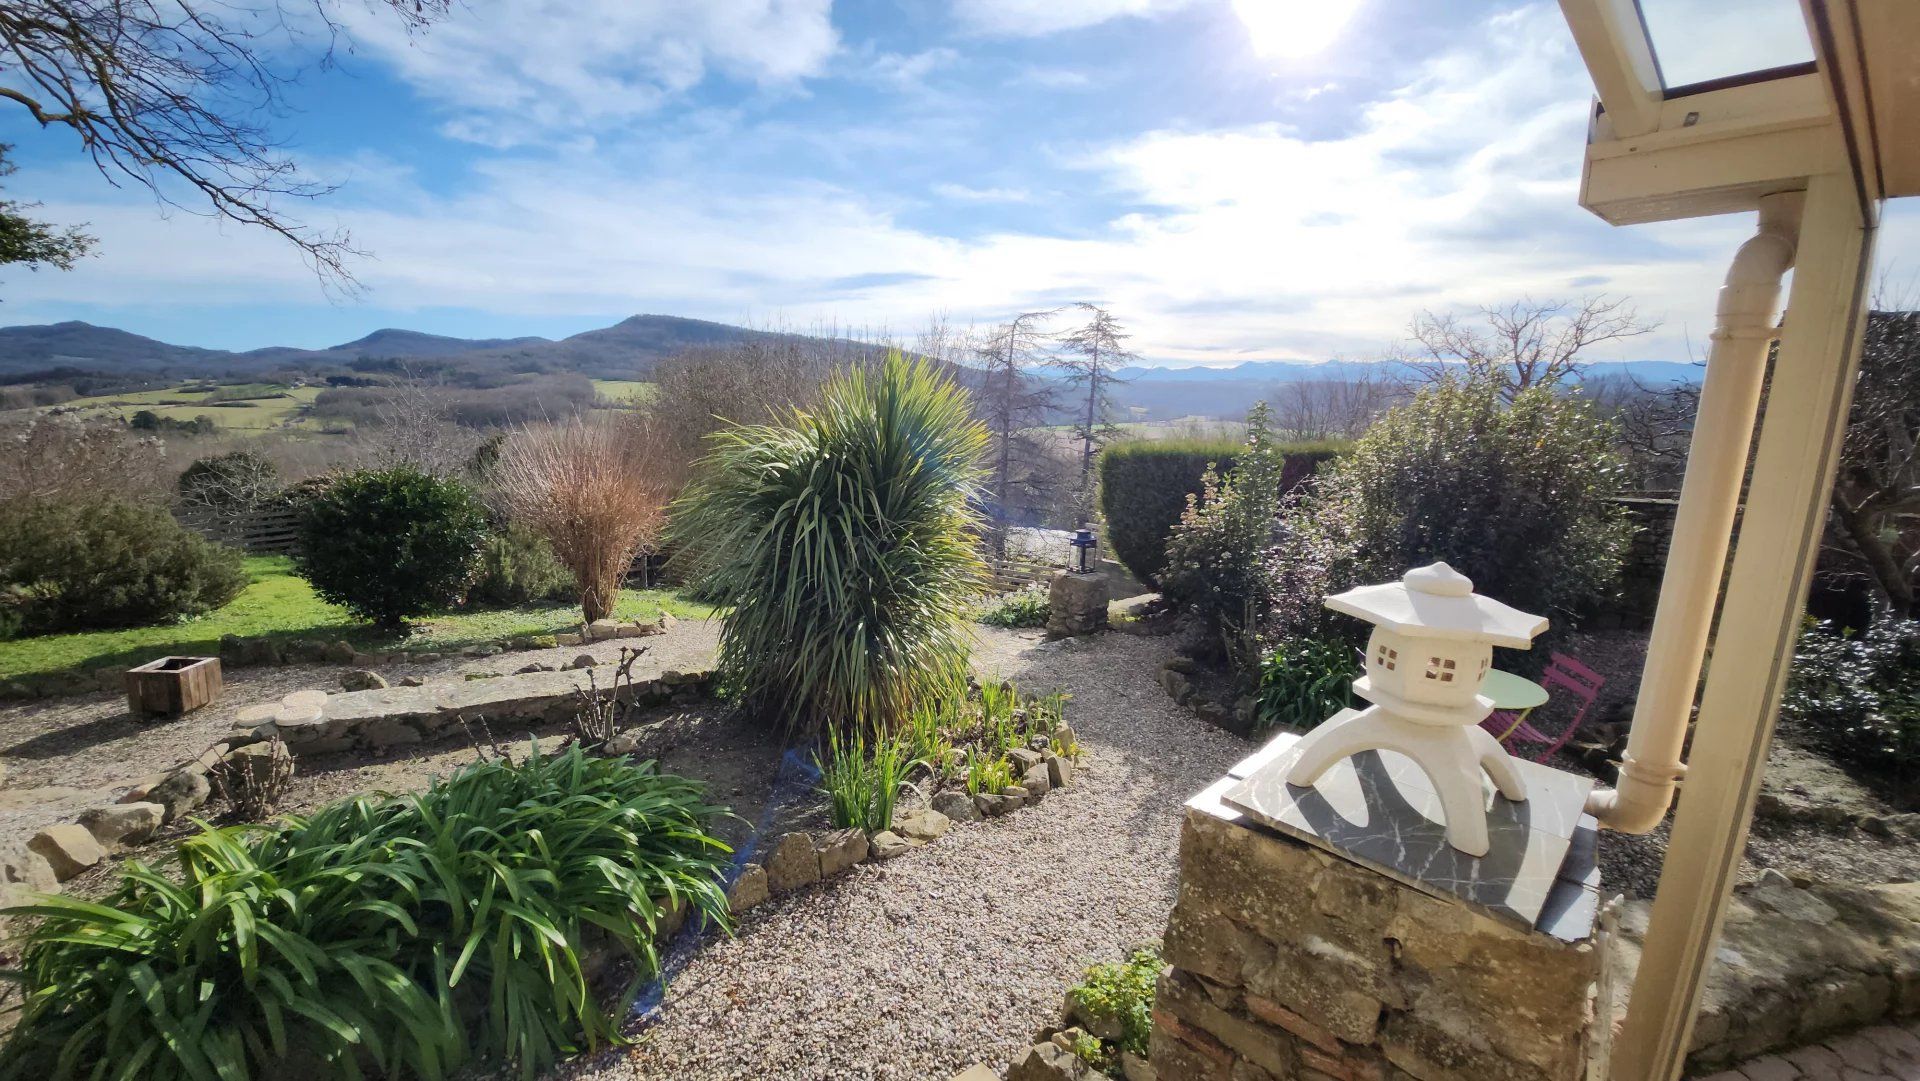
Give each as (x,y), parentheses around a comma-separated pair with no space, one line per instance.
(1293,28)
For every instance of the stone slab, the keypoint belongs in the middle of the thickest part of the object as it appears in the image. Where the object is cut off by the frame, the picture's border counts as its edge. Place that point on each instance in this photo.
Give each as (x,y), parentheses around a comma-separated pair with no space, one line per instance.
(1379,810)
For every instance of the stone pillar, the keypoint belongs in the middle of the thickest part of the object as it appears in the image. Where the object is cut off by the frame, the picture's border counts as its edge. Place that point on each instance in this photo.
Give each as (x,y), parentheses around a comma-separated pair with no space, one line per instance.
(1078,604)
(1287,961)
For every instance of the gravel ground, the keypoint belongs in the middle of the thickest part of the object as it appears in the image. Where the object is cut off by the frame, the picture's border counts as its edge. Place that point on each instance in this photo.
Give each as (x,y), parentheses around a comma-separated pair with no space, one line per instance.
(63,755)
(955,953)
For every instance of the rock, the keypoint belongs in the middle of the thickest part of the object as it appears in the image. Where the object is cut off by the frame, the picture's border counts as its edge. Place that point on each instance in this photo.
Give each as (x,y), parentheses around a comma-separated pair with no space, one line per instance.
(361,679)
(887,844)
(1049,1062)
(68,848)
(529,669)
(1177,685)
(1023,759)
(569,639)
(992,804)
(1773,877)
(1135,1068)
(925,827)
(1015,795)
(1059,771)
(792,863)
(644,630)
(748,890)
(428,657)
(180,792)
(603,628)
(543,641)
(258,762)
(667,622)
(674,678)
(21,868)
(840,850)
(1063,735)
(1036,782)
(1040,743)
(623,743)
(123,824)
(412,681)
(337,653)
(1076,604)
(584,660)
(957,805)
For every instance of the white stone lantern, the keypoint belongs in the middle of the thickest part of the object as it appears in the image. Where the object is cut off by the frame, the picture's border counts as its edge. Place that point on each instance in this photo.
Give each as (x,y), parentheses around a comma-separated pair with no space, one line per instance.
(1433,639)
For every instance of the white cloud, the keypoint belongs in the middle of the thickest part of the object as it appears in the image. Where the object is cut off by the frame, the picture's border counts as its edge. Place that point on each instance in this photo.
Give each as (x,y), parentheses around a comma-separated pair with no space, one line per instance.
(966,194)
(515,70)
(909,70)
(1027,18)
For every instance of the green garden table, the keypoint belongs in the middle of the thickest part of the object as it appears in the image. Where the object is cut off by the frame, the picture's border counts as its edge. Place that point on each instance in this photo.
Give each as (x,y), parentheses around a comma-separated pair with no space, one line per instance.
(1517,695)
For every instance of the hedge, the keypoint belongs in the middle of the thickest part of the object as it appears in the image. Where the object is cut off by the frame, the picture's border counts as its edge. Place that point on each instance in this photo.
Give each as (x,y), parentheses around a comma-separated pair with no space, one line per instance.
(1144,487)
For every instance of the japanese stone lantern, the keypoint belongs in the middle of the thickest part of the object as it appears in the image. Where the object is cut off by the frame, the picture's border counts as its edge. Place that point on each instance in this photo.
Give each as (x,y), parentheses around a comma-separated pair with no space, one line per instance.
(1432,641)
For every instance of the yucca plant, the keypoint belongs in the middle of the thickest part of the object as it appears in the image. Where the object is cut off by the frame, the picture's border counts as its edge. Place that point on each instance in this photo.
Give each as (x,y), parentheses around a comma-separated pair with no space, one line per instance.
(395,936)
(844,542)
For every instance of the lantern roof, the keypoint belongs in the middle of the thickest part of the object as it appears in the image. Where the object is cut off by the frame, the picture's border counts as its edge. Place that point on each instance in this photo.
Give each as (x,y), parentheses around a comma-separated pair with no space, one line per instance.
(1437,601)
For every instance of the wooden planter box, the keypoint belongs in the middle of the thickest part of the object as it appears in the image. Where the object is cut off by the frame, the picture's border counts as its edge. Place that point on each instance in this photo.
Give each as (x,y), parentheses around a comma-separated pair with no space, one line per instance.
(172,686)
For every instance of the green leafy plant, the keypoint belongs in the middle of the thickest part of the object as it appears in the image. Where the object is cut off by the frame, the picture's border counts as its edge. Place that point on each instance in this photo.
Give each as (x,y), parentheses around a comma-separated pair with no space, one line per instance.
(391,544)
(988,773)
(861,780)
(1858,694)
(406,936)
(84,564)
(1121,994)
(844,542)
(1304,681)
(1029,607)
(517,566)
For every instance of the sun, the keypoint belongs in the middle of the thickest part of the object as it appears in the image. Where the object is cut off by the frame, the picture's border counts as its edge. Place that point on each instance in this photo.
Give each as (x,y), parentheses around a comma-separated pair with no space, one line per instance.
(1293,28)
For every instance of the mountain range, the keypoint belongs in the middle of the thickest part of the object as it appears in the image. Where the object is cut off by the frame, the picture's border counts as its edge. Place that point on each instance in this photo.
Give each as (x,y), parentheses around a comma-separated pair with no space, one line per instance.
(628,350)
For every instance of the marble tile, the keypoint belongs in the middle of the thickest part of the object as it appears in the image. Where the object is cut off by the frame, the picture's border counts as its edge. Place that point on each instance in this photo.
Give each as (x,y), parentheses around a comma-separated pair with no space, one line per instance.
(1380,810)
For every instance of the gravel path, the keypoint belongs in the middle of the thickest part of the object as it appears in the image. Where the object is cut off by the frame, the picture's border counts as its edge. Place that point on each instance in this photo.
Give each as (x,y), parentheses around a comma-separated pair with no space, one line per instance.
(957,952)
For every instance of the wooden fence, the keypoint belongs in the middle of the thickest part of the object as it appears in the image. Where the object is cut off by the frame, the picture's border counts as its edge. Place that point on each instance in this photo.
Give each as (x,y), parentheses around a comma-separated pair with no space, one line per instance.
(260,531)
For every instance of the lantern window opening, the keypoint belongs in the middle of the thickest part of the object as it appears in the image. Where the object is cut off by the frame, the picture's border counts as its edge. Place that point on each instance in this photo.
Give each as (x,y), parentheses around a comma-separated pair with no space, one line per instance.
(1697,45)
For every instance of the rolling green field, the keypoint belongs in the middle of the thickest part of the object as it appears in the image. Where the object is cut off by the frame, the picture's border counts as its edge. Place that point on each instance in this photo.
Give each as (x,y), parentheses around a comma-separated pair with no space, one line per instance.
(277,604)
(247,407)
(625,390)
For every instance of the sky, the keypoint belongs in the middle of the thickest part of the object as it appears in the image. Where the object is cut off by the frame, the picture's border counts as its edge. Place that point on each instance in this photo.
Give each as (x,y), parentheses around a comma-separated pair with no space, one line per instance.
(1237,179)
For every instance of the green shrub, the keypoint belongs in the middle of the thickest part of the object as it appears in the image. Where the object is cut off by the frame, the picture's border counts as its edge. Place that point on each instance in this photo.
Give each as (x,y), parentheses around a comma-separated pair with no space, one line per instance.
(517,566)
(71,565)
(1027,607)
(410,935)
(1858,695)
(862,784)
(1120,995)
(234,481)
(988,773)
(391,544)
(1304,681)
(1517,497)
(844,542)
(1144,487)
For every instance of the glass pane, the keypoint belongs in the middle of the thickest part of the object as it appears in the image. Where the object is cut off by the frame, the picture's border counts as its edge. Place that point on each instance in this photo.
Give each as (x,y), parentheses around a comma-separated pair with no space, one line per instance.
(1698,40)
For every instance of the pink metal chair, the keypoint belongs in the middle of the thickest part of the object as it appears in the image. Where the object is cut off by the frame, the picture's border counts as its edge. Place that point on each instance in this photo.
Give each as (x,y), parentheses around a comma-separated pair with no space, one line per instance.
(1537,734)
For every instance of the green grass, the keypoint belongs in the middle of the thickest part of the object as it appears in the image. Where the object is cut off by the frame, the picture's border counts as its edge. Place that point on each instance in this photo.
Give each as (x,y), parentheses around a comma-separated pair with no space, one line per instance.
(623,391)
(256,411)
(278,605)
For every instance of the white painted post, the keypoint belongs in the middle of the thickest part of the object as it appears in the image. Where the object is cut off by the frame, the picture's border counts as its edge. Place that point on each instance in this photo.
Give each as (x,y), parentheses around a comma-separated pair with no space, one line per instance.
(1810,393)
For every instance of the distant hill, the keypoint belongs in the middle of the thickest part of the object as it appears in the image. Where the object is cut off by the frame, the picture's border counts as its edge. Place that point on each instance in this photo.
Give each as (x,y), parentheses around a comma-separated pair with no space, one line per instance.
(626,350)
(1279,371)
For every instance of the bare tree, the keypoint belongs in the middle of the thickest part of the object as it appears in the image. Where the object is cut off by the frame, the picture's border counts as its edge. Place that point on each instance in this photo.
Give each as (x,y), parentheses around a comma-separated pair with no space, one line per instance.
(1654,422)
(412,426)
(1012,403)
(1521,344)
(1876,492)
(1093,353)
(748,382)
(597,490)
(183,91)
(1328,408)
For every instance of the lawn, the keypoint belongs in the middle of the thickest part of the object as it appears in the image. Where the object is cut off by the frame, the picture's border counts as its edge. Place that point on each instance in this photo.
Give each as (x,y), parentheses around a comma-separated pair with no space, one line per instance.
(249,406)
(277,604)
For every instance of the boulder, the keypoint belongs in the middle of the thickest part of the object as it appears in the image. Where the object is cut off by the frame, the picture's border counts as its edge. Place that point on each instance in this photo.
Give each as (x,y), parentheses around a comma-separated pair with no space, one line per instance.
(68,848)
(361,679)
(122,825)
(991,804)
(840,850)
(1015,795)
(957,805)
(337,653)
(21,868)
(925,827)
(570,639)
(180,792)
(543,641)
(886,845)
(1023,759)
(1036,781)
(1049,1062)
(748,890)
(792,863)
(584,660)
(667,622)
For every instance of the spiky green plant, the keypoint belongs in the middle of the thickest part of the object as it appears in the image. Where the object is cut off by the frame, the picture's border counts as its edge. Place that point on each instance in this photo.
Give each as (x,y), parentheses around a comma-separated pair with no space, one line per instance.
(843,540)
(405,936)
(862,781)
(988,773)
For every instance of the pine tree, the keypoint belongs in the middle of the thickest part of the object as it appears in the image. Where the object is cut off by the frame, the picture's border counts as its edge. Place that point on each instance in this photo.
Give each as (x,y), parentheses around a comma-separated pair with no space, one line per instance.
(1012,403)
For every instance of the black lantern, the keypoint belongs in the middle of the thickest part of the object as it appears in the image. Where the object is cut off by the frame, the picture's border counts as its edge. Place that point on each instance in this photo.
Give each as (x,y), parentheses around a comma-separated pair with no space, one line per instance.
(1083,544)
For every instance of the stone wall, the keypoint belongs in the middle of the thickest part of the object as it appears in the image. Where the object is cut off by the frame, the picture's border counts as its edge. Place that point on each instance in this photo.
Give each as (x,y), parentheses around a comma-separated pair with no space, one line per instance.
(1286,962)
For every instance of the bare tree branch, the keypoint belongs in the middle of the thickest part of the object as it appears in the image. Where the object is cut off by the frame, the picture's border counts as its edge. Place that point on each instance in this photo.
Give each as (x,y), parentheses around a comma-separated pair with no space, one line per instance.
(1523,343)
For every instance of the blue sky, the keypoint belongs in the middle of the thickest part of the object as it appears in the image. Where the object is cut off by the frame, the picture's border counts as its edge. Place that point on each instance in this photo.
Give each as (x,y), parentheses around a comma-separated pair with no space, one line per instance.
(549,166)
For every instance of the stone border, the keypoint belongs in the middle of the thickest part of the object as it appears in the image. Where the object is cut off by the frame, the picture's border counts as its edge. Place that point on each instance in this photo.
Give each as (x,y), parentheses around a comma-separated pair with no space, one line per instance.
(237,652)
